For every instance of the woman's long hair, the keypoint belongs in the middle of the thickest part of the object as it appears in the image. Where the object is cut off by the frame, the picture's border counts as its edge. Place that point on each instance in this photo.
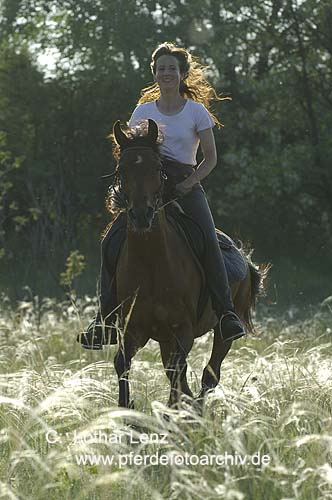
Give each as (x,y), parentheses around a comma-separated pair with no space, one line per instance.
(194,84)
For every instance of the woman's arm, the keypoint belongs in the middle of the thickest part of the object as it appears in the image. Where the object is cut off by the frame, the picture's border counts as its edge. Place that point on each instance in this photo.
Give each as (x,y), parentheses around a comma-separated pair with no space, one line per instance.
(208,163)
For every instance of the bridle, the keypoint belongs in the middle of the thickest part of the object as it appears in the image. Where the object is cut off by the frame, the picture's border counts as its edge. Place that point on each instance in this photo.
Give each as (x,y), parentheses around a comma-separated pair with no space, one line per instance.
(115,187)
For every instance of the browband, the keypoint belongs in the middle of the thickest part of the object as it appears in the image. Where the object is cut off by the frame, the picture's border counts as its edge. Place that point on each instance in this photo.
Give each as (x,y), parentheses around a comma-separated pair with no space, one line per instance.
(138,147)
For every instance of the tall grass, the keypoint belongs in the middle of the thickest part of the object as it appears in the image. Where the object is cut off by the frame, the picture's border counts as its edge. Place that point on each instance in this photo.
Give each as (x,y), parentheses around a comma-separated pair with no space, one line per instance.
(58,403)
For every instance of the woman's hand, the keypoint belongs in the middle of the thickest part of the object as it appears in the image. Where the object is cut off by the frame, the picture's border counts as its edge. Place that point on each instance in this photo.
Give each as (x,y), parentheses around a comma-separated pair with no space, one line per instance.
(185,186)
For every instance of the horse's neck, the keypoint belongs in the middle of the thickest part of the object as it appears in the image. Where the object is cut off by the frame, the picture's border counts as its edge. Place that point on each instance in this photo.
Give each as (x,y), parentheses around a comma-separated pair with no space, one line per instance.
(153,242)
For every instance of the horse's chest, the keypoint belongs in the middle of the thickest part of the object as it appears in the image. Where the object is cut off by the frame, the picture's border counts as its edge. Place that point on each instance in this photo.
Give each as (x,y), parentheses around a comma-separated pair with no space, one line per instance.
(157,318)
(153,297)
(166,287)
(156,304)
(152,279)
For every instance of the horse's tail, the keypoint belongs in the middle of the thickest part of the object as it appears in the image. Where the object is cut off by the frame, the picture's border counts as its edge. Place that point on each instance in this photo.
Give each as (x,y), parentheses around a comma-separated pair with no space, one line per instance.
(258,279)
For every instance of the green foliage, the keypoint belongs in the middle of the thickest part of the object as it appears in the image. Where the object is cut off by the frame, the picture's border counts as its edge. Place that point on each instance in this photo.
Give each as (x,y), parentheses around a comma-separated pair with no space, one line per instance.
(274,183)
(8,209)
(75,265)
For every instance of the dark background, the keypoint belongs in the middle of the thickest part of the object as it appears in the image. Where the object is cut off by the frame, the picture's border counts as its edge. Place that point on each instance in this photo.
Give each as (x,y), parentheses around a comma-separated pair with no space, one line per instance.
(273,183)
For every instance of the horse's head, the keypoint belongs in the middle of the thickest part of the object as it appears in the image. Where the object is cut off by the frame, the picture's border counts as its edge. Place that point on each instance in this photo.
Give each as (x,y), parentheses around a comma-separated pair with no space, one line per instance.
(140,175)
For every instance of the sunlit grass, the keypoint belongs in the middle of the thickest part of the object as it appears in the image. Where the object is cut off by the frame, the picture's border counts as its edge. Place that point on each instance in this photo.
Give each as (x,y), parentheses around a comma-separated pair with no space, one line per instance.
(274,399)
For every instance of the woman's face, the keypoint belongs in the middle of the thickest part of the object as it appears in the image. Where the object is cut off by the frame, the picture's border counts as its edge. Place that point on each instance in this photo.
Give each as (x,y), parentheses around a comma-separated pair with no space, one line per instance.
(168,74)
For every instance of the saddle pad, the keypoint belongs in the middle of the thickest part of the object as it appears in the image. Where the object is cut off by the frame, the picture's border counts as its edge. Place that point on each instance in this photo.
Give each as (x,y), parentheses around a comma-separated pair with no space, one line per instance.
(235,262)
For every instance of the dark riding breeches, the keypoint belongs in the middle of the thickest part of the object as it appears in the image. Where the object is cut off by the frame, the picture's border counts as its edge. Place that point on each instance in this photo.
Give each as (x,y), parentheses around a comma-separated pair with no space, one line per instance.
(110,247)
(196,206)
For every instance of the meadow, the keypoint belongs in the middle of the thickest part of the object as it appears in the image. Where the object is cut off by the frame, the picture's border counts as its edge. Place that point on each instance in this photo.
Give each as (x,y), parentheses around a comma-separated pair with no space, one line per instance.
(265,432)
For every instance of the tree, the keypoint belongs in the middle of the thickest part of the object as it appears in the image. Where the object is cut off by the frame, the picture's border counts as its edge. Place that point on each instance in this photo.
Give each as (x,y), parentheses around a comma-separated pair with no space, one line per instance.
(273,184)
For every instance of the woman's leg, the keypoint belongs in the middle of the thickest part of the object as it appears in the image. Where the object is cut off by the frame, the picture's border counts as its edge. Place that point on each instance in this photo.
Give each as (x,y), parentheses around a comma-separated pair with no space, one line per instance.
(196,206)
(101,330)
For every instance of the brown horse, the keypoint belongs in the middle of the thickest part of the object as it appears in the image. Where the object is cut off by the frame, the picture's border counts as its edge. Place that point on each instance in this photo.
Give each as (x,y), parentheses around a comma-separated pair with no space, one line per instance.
(157,269)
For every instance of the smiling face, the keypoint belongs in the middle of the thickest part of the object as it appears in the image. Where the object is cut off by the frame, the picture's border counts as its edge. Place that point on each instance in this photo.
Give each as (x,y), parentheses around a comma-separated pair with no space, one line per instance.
(168,74)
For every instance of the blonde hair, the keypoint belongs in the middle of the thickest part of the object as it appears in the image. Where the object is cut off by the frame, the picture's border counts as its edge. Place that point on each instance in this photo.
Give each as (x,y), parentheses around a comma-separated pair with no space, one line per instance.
(193,85)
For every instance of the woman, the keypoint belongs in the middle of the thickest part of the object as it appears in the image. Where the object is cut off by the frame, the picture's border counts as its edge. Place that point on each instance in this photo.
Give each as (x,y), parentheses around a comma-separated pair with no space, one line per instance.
(179,101)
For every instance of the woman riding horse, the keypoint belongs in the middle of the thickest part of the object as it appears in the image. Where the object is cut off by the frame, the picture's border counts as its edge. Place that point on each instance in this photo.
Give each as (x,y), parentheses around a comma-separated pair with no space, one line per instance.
(179,102)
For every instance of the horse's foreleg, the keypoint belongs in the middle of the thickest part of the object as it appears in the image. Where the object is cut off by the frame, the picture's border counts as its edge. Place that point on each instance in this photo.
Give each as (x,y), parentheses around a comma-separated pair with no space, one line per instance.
(211,373)
(174,357)
(122,363)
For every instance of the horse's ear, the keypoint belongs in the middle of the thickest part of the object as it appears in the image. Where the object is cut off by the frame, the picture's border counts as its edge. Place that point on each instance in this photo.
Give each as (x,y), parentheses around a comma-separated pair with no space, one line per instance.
(152,131)
(119,135)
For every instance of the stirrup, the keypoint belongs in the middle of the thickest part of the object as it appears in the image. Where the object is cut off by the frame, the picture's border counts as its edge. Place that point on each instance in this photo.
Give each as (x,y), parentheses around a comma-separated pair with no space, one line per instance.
(236,334)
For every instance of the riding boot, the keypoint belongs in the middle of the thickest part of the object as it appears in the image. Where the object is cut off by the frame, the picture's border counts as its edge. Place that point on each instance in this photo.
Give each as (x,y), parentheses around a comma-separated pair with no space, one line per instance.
(229,324)
(195,205)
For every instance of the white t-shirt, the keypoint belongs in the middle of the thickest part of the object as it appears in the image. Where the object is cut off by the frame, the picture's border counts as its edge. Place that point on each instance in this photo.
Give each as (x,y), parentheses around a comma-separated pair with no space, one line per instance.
(181,139)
